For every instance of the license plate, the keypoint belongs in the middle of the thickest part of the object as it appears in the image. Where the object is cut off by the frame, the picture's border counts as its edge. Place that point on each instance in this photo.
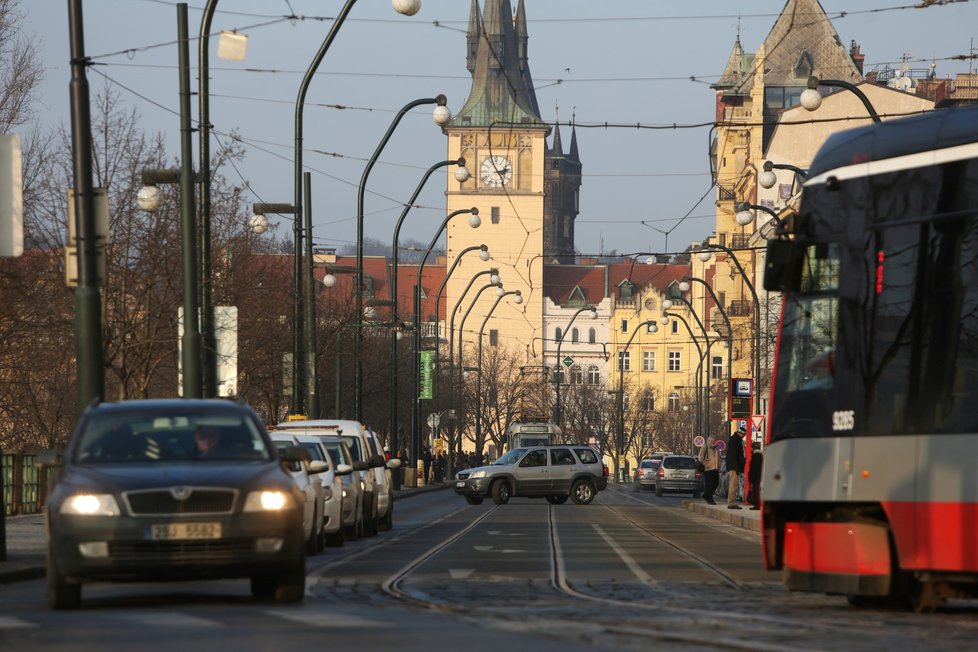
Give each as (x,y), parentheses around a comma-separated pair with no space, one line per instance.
(178,531)
(460,483)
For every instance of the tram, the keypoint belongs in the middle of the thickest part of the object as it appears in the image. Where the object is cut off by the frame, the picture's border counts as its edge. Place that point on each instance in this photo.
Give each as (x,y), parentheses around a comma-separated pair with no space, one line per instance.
(536,433)
(870,485)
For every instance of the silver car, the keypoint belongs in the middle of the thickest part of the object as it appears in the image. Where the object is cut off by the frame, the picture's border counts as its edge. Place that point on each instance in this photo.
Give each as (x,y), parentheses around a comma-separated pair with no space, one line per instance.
(678,474)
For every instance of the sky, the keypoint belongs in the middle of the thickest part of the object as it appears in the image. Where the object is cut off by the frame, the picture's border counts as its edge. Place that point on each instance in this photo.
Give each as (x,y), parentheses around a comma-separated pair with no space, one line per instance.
(635,75)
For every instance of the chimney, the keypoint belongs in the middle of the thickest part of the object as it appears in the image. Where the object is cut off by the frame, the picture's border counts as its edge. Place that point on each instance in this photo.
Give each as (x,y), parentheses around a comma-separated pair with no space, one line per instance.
(857,56)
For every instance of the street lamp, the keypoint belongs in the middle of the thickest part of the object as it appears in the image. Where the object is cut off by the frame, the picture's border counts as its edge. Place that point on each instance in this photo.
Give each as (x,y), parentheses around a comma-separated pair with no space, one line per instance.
(704,255)
(493,274)
(149,199)
(811,99)
(666,305)
(666,315)
(684,286)
(394,255)
(560,342)
(652,327)
(768,178)
(517,299)
(474,222)
(441,116)
(744,216)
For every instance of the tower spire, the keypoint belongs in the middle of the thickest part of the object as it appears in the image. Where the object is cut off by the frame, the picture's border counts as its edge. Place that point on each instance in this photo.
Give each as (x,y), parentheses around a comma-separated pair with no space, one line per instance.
(574,156)
(472,36)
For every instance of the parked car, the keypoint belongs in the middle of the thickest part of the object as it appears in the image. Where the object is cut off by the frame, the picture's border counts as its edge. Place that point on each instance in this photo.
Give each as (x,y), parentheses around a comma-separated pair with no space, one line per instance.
(305,476)
(352,485)
(646,474)
(159,490)
(551,472)
(678,473)
(332,481)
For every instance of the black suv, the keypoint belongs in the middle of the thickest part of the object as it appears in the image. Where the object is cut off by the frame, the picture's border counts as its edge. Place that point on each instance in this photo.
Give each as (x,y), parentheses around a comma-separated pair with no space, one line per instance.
(552,472)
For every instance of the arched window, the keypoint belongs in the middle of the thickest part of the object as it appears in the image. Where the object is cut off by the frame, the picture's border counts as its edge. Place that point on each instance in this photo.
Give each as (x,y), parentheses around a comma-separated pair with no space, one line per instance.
(575,336)
(577,375)
(559,376)
(593,375)
(674,402)
(557,335)
(592,336)
(648,401)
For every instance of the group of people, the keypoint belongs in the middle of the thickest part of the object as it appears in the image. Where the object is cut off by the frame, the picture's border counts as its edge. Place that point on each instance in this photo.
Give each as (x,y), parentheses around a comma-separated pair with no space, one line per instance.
(736,461)
(435,465)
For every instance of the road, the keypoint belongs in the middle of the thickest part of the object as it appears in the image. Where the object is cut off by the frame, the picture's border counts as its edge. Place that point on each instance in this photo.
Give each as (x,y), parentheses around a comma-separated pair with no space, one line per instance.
(627,572)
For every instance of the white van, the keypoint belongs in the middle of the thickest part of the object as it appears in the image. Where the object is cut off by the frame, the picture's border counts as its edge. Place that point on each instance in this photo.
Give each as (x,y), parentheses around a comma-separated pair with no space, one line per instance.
(378,497)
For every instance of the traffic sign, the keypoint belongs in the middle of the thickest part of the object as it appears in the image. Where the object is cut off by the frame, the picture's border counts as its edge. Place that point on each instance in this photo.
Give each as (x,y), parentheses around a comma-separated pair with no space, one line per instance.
(757,421)
(698,441)
(568,361)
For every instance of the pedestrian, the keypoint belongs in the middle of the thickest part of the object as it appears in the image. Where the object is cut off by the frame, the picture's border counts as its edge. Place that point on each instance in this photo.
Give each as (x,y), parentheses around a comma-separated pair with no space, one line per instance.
(439,467)
(754,475)
(735,466)
(709,457)
(403,456)
(426,460)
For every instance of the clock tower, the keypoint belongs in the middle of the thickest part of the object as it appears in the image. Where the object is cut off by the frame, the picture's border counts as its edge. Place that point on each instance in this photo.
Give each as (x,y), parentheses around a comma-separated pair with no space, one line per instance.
(501,136)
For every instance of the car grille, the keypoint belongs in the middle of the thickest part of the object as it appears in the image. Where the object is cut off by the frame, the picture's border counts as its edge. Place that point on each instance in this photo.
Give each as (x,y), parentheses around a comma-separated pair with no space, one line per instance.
(162,502)
(223,550)
(463,475)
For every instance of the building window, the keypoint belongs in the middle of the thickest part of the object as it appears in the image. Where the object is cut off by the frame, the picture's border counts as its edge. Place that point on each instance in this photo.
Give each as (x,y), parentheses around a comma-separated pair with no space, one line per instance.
(593,375)
(674,402)
(624,361)
(716,371)
(493,337)
(577,375)
(648,401)
(675,326)
(648,360)
(558,335)
(592,336)
(624,325)
(625,401)
(575,336)
(494,214)
(559,375)
(675,361)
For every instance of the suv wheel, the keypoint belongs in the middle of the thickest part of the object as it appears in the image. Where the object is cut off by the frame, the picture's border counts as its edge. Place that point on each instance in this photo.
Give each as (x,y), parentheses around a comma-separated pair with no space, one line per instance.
(501,492)
(556,500)
(582,492)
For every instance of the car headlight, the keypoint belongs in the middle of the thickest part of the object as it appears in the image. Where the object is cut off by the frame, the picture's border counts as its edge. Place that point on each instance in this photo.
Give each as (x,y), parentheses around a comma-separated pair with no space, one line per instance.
(478,474)
(267,501)
(91,505)
(344,493)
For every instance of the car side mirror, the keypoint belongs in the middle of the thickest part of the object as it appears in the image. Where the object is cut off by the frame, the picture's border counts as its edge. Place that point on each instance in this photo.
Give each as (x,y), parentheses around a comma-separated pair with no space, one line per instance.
(318,466)
(360,466)
(377,461)
(296,454)
(393,463)
(344,469)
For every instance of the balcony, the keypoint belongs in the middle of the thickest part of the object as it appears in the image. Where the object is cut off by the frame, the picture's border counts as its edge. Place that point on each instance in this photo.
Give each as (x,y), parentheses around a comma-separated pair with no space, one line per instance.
(739,308)
(739,241)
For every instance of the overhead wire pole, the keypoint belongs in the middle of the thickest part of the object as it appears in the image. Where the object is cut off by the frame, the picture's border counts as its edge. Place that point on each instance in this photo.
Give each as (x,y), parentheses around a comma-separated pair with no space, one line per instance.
(207,324)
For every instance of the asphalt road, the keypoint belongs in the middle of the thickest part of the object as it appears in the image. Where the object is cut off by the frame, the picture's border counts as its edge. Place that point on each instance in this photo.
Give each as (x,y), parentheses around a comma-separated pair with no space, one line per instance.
(630,571)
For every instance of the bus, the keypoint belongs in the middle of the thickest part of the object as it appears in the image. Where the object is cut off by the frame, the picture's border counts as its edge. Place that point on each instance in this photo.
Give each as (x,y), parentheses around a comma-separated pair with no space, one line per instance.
(536,433)
(869,483)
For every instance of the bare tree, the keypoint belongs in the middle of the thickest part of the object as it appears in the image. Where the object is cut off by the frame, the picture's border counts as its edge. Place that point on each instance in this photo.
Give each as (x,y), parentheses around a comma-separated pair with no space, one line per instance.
(22,71)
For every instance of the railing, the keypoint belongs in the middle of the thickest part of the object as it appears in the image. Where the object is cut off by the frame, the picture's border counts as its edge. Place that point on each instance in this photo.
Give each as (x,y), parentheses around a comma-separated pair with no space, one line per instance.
(22,490)
(739,241)
(739,308)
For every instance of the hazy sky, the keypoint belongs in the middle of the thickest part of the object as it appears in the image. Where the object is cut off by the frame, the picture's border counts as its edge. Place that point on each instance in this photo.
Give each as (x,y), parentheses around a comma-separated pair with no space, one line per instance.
(621,62)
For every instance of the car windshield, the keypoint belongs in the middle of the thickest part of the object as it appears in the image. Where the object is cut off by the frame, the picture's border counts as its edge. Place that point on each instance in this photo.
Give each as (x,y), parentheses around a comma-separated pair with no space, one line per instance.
(315,452)
(650,464)
(335,450)
(679,463)
(353,443)
(149,437)
(512,457)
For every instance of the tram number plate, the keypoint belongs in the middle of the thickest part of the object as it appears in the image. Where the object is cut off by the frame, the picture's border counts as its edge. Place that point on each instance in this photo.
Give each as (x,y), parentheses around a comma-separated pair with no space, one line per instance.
(183,531)
(460,483)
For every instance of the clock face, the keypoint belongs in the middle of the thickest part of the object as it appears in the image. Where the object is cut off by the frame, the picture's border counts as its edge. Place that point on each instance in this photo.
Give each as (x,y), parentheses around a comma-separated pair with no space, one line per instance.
(496,171)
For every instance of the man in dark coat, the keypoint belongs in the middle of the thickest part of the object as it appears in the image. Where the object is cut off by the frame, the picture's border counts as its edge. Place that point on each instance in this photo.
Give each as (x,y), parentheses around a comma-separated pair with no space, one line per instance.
(735,466)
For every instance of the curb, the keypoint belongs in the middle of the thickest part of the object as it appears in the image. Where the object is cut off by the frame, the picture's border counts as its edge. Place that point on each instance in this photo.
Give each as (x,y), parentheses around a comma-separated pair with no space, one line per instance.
(733,517)
(401,494)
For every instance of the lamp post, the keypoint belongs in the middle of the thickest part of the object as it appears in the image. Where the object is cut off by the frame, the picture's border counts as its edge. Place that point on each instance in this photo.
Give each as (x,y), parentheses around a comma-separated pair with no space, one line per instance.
(768,178)
(666,315)
(204,208)
(88,306)
(329,281)
(666,305)
(652,328)
(441,116)
(743,216)
(493,274)
(462,174)
(704,256)
(560,342)
(811,99)
(149,199)
(474,222)
(685,282)
(478,383)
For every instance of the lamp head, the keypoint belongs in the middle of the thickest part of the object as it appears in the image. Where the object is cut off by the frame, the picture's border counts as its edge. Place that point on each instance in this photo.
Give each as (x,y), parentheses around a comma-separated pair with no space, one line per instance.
(398,334)
(474,220)
(652,327)
(704,255)
(666,304)
(149,198)
(441,114)
(684,286)
(462,173)
(500,291)
(767,178)
(594,313)
(406,7)
(518,299)
(258,223)
(810,98)
(495,280)
(665,319)
(329,280)
(744,215)
(484,253)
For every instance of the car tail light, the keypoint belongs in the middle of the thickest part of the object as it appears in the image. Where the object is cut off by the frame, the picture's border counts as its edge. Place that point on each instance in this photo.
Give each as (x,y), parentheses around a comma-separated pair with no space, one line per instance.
(698,475)
(604,470)
(640,473)
(662,472)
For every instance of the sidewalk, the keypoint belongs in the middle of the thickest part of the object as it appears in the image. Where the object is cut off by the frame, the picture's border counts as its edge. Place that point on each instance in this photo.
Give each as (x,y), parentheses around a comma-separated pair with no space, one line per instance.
(27,540)
(744,517)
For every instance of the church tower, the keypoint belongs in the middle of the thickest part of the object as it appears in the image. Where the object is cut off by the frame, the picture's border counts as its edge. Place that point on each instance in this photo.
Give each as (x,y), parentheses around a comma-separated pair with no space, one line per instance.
(561,204)
(501,136)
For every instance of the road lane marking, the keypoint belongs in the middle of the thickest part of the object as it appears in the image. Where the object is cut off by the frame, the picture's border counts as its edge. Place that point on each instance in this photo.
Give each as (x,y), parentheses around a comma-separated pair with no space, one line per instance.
(505,551)
(633,566)
(169,619)
(460,573)
(326,619)
(9,622)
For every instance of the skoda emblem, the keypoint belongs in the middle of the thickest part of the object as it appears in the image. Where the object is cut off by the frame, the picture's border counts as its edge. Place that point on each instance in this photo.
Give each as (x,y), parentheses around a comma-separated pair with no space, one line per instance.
(181,493)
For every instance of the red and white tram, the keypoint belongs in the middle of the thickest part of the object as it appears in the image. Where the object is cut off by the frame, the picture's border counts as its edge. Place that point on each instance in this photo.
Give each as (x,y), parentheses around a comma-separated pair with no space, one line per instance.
(870,484)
